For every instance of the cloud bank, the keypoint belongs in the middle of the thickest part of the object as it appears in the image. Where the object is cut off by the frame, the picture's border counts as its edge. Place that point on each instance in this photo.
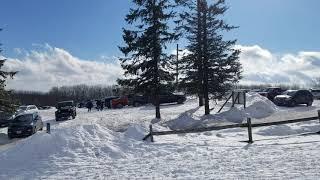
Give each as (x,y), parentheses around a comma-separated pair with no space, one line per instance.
(41,69)
(260,66)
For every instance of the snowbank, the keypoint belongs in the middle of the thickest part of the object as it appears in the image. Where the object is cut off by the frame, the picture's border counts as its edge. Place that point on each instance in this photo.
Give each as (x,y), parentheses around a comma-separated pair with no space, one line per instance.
(257,107)
(91,140)
(136,132)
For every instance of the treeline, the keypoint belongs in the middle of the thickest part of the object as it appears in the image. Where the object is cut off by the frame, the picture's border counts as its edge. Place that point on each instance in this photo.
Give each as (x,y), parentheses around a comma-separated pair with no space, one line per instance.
(263,86)
(77,93)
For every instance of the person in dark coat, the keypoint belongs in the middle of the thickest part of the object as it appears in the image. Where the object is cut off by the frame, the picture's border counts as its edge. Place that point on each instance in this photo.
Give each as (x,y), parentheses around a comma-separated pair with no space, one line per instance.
(98,103)
(101,106)
(89,106)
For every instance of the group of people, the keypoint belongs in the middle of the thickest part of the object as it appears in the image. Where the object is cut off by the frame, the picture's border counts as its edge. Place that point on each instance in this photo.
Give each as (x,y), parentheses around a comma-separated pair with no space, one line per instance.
(99,103)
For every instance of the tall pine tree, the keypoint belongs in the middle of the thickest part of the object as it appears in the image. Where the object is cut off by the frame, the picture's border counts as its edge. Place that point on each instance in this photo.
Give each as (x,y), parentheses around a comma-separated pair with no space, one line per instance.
(190,21)
(219,61)
(6,101)
(145,63)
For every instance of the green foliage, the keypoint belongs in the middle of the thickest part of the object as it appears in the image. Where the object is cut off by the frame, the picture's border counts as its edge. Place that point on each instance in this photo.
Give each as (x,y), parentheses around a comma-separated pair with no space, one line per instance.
(7,103)
(212,60)
(145,62)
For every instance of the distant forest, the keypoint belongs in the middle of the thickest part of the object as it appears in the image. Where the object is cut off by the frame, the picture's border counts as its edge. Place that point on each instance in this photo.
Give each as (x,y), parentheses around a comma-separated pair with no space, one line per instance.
(81,93)
(78,93)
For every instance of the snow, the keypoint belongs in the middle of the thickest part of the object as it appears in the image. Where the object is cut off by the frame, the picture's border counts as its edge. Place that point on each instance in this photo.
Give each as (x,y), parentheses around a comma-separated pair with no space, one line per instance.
(108,145)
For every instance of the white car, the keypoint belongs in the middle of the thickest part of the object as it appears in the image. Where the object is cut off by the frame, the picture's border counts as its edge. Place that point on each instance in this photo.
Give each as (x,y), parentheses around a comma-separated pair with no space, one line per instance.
(27,108)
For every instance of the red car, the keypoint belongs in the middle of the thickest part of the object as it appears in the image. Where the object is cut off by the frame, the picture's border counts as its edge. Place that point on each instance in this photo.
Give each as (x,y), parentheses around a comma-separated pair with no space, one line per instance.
(120,102)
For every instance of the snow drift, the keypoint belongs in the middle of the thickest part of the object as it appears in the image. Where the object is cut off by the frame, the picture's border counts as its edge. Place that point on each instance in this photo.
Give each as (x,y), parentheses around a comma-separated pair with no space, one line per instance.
(257,107)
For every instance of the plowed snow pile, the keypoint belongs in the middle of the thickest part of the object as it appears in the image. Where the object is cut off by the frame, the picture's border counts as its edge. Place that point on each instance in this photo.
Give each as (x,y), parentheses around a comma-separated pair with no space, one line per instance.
(257,107)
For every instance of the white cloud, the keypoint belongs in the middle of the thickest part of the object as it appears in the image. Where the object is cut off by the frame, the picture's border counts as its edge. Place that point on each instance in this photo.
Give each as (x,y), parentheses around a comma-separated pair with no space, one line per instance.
(262,66)
(42,69)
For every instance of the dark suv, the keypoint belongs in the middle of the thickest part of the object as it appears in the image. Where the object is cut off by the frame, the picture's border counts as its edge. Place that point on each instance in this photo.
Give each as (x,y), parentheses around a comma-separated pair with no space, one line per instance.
(137,100)
(271,92)
(5,118)
(65,109)
(172,98)
(25,124)
(294,97)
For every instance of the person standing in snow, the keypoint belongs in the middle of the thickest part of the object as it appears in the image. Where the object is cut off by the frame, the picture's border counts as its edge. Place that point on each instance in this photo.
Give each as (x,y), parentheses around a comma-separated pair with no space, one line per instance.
(89,106)
(101,105)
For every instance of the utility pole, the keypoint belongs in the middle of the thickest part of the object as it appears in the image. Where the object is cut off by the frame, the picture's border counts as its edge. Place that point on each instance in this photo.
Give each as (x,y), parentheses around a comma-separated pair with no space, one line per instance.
(177,67)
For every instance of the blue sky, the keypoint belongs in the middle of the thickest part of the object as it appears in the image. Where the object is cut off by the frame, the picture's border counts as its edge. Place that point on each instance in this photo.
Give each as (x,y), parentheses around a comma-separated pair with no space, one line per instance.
(90,29)
(49,40)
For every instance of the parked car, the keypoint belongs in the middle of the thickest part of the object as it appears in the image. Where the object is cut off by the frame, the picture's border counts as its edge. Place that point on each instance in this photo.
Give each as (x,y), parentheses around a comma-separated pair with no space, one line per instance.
(27,108)
(271,92)
(81,105)
(315,93)
(120,102)
(172,98)
(107,101)
(5,118)
(294,97)
(65,110)
(137,100)
(169,98)
(25,124)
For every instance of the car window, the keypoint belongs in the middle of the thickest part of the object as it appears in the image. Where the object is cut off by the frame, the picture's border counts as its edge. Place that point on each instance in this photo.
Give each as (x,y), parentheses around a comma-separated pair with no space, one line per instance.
(64,104)
(24,118)
(290,93)
(23,107)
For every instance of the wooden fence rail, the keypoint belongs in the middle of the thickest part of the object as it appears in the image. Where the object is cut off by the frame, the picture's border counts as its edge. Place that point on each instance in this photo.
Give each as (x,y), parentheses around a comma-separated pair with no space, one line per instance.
(242,125)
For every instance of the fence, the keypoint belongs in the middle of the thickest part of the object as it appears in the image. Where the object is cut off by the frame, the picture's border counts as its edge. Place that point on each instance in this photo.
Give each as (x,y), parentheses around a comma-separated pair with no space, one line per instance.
(248,125)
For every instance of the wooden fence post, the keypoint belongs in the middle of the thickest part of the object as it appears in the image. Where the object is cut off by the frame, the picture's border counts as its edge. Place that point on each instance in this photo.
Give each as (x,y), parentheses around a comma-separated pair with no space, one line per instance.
(249,130)
(319,119)
(233,99)
(48,128)
(244,99)
(151,133)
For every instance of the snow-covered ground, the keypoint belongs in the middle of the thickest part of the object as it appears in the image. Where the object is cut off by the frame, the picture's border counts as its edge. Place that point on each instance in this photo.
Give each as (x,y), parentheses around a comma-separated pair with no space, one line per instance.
(107,145)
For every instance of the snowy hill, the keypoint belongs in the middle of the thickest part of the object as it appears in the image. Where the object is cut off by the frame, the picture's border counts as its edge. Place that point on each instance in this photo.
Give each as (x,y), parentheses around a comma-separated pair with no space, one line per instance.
(107,145)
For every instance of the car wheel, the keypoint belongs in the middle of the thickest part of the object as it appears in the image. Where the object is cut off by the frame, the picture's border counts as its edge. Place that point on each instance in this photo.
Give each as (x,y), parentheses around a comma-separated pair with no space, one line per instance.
(180,101)
(34,130)
(309,103)
(119,106)
(136,104)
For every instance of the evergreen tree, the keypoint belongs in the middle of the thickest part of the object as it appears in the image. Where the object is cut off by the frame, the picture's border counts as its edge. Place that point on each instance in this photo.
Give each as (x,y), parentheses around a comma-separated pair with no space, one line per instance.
(221,59)
(145,63)
(192,69)
(217,60)
(6,101)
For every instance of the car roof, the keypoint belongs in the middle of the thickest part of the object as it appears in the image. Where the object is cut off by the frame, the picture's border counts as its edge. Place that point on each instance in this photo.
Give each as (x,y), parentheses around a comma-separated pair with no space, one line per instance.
(292,90)
(65,101)
(28,113)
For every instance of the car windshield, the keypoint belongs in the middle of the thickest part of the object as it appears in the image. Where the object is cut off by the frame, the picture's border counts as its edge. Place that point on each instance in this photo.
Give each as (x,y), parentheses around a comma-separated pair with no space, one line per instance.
(23,118)
(23,108)
(289,93)
(64,104)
